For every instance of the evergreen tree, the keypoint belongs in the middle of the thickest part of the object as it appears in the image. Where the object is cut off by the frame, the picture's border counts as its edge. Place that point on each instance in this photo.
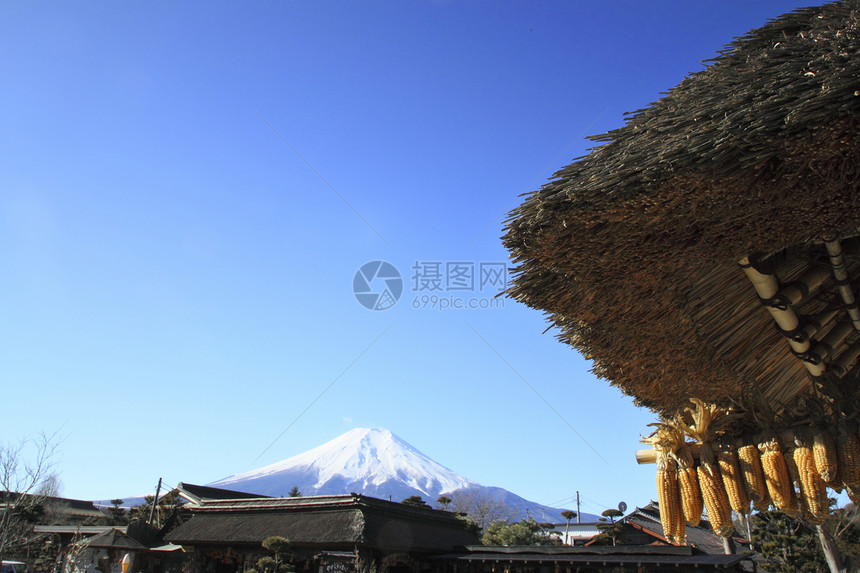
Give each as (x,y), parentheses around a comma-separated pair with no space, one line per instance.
(167,503)
(295,492)
(116,513)
(444,502)
(275,563)
(568,515)
(610,529)
(415,501)
(789,545)
(470,524)
(609,532)
(524,532)
(612,514)
(278,546)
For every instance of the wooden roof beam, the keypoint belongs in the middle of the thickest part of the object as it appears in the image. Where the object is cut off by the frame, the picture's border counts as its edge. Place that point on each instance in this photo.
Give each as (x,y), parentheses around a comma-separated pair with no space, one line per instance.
(843,280)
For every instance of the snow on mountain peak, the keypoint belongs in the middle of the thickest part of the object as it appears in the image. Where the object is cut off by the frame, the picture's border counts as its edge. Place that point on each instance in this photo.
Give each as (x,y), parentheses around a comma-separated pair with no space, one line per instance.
(359,459)
(376,463)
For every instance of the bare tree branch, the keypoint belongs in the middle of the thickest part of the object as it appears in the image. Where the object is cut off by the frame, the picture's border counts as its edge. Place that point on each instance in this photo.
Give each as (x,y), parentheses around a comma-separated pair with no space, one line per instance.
(27,475)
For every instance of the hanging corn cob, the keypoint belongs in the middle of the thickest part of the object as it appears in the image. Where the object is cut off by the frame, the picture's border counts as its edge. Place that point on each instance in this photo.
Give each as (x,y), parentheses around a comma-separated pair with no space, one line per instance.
(776,476)
(669,497)
(664,440)
(848,455)
(752,473)
(825,456)
(688,482)
(812,487)
(800,507)
(714,493)
(730,471)
(705,419)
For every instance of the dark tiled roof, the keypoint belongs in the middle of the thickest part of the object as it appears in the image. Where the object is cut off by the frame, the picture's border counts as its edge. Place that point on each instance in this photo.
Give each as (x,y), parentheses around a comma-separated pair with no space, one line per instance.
(539,550)
(700,538)
(612,557)
(196,493)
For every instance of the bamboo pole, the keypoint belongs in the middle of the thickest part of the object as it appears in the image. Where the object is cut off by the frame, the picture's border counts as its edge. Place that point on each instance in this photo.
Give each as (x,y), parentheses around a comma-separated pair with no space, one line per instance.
(824,350)
(649,455)
(767,288)
(847,359)
(840,273)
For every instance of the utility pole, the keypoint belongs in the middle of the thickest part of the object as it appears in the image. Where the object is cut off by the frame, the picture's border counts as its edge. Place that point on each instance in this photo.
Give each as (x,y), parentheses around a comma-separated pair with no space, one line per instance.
(154,501)
(578,513)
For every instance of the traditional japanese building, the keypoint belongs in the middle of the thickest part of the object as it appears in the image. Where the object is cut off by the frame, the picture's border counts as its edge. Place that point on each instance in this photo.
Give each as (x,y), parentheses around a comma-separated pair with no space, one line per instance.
(326,534)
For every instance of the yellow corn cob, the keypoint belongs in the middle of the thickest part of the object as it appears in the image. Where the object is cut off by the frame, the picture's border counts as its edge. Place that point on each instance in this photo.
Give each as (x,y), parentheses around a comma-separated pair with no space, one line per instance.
(848,454)
(714,494)
(669,497)
(753,476)
(812,487)
(688,483)
(732,480)
(715,499)
(706,421)
(776,476)
(798,499)
(691,495)
(681,529)
(826,459)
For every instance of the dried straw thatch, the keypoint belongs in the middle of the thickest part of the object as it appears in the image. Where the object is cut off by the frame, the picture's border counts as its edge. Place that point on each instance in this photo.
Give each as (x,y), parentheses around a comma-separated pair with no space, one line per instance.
(337,522)
(633,250)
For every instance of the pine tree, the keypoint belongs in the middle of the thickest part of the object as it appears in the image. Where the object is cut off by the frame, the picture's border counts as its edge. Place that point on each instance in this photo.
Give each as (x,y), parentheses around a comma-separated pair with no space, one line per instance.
(117,513)
(568,515)
(790,546)
(415,501)
(524,532)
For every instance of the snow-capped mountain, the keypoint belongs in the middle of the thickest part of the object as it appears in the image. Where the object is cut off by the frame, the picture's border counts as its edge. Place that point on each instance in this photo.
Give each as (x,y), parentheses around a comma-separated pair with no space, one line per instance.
(377,463)
(368,461)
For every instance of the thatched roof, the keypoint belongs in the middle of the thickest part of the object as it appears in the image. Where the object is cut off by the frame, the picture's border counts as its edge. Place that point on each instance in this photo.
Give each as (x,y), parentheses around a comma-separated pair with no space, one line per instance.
(77,508)
(115,539)
(633,250)
(330,522)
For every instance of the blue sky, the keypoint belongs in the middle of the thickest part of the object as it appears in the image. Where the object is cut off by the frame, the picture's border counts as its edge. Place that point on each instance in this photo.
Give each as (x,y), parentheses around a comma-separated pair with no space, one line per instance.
(187,190)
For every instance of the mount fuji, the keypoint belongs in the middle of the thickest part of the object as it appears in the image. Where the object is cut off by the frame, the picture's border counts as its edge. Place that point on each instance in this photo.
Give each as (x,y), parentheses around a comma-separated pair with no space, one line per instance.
(377,463)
